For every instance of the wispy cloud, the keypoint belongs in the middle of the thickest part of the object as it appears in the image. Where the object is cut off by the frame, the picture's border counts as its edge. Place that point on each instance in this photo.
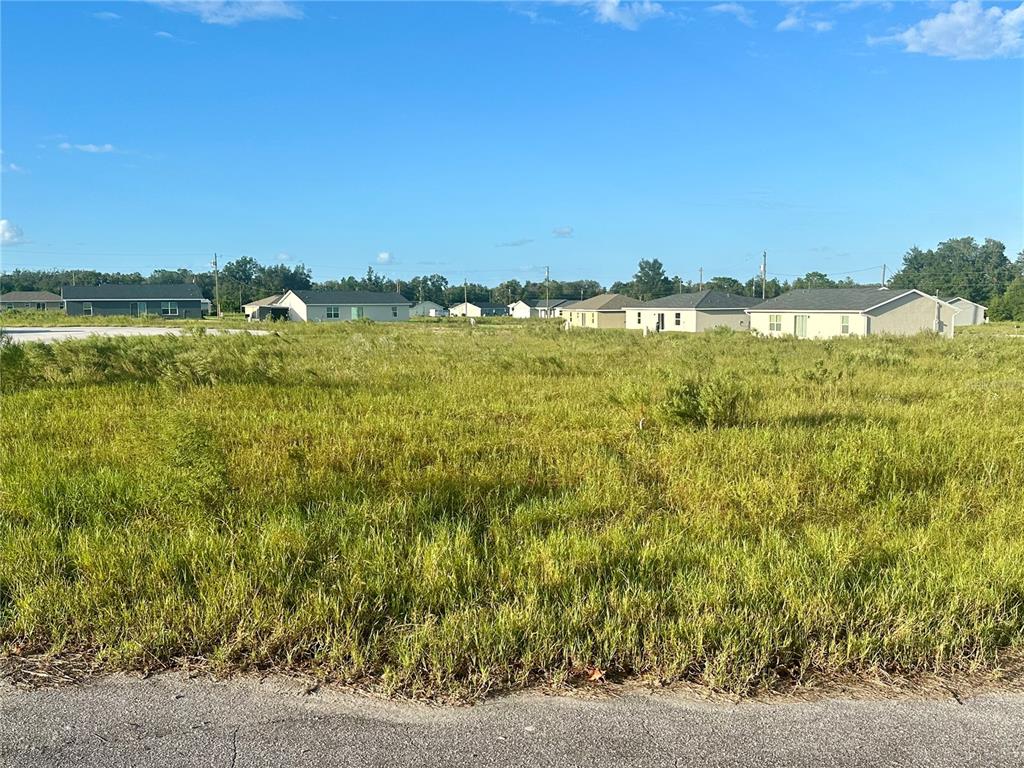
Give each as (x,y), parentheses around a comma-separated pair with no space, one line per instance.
(13,168)
(515,243)
(10,234)
(741,12)
(230,13)
(628,15)
(562,231)
(385,258)
(165,35)
(94,149)
(531,13)
(106,15)
(967,30)
(797,18)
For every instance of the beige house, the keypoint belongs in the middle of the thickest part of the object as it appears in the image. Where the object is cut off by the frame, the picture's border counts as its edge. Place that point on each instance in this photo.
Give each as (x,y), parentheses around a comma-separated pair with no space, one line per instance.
(969,312)
(38,300)
(251,309)
(691,312)
(826,313)
(478,309)
(428,309)
(335,306)
(604,311)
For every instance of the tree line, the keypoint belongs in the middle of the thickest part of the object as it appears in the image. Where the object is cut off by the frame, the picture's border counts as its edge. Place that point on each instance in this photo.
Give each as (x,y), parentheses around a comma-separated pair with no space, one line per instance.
(963,267)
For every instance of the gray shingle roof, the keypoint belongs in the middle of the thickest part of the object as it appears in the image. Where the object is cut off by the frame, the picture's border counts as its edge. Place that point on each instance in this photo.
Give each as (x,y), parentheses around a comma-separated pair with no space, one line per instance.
(830,299)
(701,300)
(550,303)
(143,291)
(271,299)
(29,296)
(351,297)
(606,302)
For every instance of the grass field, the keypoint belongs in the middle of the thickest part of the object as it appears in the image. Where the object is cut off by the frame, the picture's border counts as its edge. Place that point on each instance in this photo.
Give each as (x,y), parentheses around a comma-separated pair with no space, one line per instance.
(444,509)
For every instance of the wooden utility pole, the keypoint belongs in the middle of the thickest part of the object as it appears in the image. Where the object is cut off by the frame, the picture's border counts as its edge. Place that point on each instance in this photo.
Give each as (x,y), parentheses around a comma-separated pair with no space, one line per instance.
(883,275)
(216,285)
(701,283)
(764,273)
(547,290)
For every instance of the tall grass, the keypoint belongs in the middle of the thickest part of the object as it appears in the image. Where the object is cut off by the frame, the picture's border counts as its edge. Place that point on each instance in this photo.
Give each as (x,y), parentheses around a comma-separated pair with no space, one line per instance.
(441,507)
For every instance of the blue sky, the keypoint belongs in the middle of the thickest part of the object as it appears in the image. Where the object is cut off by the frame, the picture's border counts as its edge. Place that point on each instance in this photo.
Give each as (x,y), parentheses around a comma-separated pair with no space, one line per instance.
(487,140)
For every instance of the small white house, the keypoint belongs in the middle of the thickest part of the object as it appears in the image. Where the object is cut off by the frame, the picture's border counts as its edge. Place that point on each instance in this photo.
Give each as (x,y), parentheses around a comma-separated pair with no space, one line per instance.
(428,309)
(970,312)
(551,307)
(827,313)
(334,306)
(478,309)
(522,310)
(691,312)
(251,308)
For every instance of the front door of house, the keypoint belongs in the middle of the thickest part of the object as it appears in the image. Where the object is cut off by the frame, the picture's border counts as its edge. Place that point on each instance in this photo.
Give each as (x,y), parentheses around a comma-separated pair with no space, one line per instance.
(133,309)
(800,326)
(661,321)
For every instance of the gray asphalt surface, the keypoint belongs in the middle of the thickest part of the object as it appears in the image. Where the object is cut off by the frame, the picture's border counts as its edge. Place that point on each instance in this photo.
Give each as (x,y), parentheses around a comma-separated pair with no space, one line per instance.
(171,721)
(50,335)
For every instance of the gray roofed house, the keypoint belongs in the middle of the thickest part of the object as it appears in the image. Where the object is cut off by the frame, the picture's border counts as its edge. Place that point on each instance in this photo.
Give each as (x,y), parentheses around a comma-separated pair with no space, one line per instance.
(331,306)
(135,299)
(969,312)
(478,309)
(825,313)
(39,300)
(253,309)
(691,312)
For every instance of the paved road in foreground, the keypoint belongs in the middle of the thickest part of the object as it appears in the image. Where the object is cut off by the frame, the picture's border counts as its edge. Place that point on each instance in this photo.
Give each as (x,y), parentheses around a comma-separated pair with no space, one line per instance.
(170,721)
(21,335)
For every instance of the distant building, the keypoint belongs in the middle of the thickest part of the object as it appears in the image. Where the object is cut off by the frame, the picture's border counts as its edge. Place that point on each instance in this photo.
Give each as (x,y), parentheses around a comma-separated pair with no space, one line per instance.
(428,309)
(969,312)
(604,311)
(184,300)
(541,308)
(551,307)
(478,309)
(826,313)
(39,300)
(334,306)
(691,312)
(251,309)
(522,310)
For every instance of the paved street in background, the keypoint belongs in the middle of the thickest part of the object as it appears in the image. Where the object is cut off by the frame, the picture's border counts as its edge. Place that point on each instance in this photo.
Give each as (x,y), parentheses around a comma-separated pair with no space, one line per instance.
(49,335)
(169,720)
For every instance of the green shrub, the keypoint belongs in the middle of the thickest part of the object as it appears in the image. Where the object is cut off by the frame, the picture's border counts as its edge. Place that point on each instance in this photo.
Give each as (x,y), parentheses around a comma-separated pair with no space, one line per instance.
(719,401)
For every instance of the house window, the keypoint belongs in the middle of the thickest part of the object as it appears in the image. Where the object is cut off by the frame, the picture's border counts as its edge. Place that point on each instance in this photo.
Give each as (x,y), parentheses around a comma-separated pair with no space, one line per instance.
(800,326)
(679,318)
(333,313)
(775,323)
(844,324)
(638,320)
(142,309)
(40,306)
(356,313)
(87,308)
(394,311)
(169,308)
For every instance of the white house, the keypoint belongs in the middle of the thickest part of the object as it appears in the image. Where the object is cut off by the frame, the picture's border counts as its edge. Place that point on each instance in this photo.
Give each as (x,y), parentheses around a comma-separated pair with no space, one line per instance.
(691,312)
(478,309)
(826,313)
(251,309)
(551,307)
(522,310)
(428,309)
(971,312)
(334,306)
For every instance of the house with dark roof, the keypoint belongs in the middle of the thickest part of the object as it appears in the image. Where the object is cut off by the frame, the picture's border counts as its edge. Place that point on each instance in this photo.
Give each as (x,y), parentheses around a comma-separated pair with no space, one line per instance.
(183,300)
(478,309)
(38,300)
(334,306)
(428,309)
(691,312)
(541,308)
(826,313)
(969,312)
(604,311)
(251,309)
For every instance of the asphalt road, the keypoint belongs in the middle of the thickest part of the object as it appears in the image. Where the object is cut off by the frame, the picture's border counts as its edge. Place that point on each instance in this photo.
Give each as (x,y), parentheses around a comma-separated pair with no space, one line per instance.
(64,333)
(171,721)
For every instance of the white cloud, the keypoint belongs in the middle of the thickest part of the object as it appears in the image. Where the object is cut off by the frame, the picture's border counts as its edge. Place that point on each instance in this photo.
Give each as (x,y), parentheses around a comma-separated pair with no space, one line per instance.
(532,14)
(967,30)
(628,15)
(741,12)
(106,15)
(515,243)
(165,35)
(385,258)
(10,234)
(14,168)
(797,18)
(283,257)
(821,26)
(230,13)
(94,149)
(562,231)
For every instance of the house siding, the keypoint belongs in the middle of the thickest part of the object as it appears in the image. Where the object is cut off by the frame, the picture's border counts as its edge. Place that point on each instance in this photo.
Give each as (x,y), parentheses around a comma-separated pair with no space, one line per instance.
(909,315)
(969,314)
(590,318)
(48,306)
(187,308)
(317,313)
(820,325)
(523,311)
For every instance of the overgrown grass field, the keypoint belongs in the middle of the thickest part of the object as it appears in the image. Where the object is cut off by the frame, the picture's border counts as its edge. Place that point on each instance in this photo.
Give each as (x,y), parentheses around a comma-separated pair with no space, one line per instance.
(445,509)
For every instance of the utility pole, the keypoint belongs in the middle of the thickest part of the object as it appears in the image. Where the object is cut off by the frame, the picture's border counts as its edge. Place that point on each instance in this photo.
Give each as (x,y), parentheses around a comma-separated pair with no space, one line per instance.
(679,284)
(465,298)
(701,283)
(883,275)
(764,273)
(216,285)
(547,290)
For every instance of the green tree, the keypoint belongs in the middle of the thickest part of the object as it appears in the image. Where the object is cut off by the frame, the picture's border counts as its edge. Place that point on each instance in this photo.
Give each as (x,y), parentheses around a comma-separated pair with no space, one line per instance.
(726,284)
(1009,306)
(814,280)
(958,267)
(650,280)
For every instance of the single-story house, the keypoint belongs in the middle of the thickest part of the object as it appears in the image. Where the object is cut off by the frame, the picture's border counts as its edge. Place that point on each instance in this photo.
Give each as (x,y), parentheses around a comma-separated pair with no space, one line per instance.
(826,313)
(522,310)
(551,307)
(331,306)
(971,312)
(41,300)
(251,308)
(604,311)
(428,309)
(691,312)
(206,306)
(542,308)
(135,300)
(478,309)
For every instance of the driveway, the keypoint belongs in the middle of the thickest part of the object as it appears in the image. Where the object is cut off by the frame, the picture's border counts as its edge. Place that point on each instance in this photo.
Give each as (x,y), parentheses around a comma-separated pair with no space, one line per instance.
(64,333)
(169,720)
